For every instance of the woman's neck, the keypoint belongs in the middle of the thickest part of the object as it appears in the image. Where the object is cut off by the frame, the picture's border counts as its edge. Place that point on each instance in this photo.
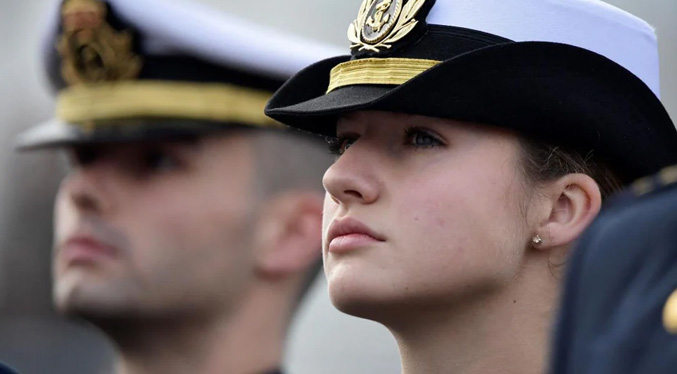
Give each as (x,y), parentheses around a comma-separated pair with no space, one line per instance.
(506,331)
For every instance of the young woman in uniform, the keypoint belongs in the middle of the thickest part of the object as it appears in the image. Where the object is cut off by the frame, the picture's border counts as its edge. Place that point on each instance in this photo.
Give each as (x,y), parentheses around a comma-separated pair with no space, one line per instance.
(475,141)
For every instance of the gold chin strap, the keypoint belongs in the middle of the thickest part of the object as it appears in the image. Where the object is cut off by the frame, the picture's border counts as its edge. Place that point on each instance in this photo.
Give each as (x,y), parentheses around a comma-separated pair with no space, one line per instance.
(163,99)
(392,71)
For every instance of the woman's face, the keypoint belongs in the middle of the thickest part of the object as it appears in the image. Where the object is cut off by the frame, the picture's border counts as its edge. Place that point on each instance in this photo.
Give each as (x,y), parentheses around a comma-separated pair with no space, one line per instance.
(420,212)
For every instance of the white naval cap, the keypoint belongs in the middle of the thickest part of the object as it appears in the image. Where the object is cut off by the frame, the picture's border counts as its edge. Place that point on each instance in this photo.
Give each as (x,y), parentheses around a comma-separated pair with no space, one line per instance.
(591,24)
(161,64)
(170,27)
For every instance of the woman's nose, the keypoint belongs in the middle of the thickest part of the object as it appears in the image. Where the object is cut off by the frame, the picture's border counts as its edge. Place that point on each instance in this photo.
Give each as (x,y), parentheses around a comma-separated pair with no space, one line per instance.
(353,178)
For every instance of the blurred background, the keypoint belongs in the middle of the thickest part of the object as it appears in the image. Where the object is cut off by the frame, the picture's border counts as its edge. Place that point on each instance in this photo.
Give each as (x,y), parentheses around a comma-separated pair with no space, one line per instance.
(34,340)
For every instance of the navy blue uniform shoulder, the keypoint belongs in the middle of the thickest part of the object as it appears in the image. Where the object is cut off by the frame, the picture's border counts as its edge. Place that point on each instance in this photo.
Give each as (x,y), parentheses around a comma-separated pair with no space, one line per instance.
(4,369)
(620,276)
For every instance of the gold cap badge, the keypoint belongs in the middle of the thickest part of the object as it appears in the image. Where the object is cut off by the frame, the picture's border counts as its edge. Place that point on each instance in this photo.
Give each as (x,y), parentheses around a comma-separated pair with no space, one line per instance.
(91,50)
(380,23)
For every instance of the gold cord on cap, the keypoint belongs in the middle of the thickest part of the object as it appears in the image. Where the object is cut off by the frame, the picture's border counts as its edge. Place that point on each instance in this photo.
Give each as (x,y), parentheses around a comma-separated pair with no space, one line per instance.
(392,71)
(163,99)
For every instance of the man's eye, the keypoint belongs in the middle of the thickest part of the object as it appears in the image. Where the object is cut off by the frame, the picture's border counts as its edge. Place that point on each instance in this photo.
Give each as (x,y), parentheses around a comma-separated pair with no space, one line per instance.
(158,160)
(422,138)
(83,155)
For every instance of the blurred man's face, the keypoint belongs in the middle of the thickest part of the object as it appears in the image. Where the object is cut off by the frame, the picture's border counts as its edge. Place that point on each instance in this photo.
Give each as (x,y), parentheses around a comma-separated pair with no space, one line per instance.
(155,228)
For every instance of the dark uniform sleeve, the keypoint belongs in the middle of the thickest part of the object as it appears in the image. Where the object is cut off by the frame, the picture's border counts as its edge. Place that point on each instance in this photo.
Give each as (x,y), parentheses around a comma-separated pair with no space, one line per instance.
(620,277)
(4,369)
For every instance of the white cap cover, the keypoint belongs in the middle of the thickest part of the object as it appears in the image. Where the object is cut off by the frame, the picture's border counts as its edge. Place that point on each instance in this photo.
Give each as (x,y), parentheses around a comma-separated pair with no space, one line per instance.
(590,24)
(179,26)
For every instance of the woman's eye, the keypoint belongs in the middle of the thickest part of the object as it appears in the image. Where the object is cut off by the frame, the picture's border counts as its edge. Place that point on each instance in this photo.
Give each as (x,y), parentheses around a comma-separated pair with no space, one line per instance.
(422,138)
(340,144)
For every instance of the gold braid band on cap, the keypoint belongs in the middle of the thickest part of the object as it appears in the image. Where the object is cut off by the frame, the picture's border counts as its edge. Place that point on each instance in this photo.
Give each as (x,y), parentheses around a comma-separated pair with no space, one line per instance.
(394,71)
(185,100)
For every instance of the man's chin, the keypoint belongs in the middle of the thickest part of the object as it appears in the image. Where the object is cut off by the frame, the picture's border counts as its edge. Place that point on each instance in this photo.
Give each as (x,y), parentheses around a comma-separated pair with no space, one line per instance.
(89,300)
(87,308)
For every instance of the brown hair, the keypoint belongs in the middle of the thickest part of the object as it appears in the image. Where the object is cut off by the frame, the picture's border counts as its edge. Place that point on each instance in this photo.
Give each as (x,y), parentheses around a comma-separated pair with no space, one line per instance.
(543,162)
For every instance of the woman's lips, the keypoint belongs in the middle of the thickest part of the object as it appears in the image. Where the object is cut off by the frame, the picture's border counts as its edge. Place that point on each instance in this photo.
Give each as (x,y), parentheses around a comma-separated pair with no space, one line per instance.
(349,234)
(350,242)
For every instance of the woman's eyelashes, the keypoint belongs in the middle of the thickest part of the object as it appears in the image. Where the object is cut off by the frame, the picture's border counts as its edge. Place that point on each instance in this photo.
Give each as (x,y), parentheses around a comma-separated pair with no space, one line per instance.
(415,137)
(418,137)
(339,144)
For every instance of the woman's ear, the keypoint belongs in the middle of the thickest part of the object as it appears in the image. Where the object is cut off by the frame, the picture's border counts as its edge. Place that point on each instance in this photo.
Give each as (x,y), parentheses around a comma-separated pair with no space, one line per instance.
(571,203)
(289,234)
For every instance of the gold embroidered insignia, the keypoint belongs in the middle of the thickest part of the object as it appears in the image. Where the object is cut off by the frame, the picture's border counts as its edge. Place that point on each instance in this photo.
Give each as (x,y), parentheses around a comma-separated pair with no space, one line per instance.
(380,23)
(91,50)
(670,314)
(668,175)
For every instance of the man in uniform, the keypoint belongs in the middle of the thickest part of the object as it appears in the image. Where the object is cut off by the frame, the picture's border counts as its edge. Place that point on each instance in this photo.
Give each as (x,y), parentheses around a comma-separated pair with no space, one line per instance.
(619,312)
(184,231)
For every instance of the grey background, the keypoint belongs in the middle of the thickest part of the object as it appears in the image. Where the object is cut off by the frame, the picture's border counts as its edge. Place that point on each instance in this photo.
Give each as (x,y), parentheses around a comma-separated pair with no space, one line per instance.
(31,338)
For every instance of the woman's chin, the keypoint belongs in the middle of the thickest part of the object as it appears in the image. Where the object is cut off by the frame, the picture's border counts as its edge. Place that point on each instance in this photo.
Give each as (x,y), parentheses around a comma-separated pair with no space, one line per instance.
(362,307)
(366,300)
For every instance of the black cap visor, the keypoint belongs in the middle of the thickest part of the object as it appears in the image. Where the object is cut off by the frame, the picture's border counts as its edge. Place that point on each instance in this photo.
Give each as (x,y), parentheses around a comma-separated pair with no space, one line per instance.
(56,133)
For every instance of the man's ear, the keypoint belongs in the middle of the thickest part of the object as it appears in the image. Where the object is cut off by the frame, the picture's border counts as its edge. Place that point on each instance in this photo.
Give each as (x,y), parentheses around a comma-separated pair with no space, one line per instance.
(571,203)
(289,234)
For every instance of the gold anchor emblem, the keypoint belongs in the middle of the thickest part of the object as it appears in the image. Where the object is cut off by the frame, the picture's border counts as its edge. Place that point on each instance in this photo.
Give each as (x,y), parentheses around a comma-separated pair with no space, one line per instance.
(91,50)
(380,23)
(378,19)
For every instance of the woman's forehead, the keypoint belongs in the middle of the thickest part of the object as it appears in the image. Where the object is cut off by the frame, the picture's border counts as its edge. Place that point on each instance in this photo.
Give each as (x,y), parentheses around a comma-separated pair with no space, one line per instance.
(384,119)
(376,118)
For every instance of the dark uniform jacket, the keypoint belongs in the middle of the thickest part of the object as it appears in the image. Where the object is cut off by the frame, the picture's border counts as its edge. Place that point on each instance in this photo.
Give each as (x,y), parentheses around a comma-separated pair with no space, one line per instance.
(4,369)
(617,308)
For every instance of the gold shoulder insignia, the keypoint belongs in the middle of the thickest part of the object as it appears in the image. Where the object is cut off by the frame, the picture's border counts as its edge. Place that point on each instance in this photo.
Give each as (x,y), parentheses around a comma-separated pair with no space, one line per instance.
(91,50)
(665,177)
(380,23)
(668,175)
(670,313)
(642,186)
